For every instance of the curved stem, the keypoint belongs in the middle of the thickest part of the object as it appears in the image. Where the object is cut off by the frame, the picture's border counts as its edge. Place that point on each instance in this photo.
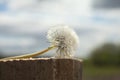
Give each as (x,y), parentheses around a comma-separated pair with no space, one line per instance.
(29,55)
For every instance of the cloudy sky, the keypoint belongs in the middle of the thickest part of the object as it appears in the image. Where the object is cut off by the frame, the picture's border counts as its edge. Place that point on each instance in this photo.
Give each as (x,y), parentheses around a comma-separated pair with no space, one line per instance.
(24,23)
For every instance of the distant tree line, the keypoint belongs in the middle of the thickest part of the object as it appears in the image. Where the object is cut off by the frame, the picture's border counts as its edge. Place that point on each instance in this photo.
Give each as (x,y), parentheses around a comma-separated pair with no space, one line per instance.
(106,55)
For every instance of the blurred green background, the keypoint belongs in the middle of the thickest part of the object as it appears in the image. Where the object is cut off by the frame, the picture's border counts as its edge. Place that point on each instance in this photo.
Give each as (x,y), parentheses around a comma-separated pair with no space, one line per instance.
(103,63)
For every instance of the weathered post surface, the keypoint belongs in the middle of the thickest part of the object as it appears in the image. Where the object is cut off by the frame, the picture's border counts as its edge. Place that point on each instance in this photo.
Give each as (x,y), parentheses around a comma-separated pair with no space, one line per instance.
(41,69)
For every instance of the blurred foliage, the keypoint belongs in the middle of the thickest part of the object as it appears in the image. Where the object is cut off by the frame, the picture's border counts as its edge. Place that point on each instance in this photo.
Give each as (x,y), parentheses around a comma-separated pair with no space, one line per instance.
(106,55)
(92,72)
(1,54)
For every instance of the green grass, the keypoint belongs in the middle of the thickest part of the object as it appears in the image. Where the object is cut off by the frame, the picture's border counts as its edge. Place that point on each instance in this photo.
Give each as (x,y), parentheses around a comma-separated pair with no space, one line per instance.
(91,70)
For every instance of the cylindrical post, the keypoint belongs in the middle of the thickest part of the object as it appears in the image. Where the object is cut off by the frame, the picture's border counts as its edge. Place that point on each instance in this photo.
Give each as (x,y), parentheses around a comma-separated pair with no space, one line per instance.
(41,69)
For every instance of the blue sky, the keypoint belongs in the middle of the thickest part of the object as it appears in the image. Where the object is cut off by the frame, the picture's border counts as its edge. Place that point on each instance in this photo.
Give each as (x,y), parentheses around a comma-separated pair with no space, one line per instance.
(2,7)
(24,23)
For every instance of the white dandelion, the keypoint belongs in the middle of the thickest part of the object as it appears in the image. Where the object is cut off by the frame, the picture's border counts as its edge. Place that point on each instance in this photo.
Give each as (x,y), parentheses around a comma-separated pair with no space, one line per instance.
(65,39)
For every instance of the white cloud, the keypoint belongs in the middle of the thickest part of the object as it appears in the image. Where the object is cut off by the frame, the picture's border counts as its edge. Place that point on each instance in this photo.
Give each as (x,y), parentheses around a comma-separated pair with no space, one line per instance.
(56,6)
(27,12)
(19,4)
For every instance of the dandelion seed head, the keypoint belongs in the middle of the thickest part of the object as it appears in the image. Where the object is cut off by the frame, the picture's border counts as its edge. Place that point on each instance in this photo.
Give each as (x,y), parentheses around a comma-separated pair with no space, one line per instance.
(65,39)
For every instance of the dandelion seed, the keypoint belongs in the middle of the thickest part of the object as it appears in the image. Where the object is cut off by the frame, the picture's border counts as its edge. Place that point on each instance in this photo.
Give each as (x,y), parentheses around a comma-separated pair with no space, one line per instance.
(65,39)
